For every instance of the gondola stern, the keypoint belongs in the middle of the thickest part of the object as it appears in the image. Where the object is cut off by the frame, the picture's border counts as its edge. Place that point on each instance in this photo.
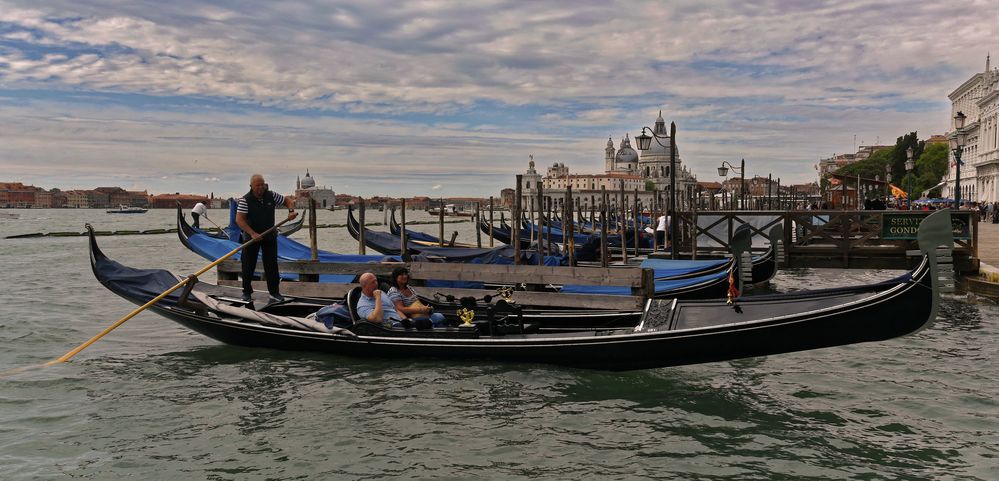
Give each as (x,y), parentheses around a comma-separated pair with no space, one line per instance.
(936,239)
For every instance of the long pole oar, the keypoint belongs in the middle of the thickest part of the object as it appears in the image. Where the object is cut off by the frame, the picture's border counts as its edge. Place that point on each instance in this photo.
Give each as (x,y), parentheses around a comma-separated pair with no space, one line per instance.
(221,230)
(68,355)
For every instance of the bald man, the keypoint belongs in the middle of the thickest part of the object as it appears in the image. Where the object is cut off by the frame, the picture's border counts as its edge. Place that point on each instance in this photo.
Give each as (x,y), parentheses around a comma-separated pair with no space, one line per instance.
(254,215)
(374,305)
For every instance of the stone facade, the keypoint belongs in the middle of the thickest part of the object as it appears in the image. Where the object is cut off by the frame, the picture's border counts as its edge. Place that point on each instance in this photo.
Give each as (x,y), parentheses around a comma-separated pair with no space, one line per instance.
(978,100)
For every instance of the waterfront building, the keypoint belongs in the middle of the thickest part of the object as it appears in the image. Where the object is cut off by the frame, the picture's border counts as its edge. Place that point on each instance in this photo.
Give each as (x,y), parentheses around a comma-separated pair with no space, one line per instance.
(978,99)
(109,197)
(77,199)
(138,198)
(170,201)
(18,195)
(306,189)
(648,173)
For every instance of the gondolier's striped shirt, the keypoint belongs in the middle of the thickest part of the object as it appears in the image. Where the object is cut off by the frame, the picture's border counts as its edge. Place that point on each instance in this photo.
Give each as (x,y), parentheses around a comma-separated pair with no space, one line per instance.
(241,203)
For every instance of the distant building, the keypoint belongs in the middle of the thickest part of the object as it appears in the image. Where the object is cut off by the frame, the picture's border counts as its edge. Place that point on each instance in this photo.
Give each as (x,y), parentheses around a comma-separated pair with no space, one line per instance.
(109,197)
(506,197)
(306,189)
(18,195)
(43,199)
(77,199)
(170,201)
(622,166)
(138,198)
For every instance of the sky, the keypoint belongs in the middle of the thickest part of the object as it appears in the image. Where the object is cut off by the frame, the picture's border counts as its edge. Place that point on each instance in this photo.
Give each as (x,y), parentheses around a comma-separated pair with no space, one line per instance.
(445,98)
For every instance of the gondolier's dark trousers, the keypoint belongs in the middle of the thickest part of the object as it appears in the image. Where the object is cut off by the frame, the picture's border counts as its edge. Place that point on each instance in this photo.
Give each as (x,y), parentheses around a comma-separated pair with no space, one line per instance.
(249,258)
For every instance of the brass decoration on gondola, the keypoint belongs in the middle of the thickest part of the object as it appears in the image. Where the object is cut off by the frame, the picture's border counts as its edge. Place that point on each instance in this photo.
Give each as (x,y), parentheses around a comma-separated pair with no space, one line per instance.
(506,293)
(466,315)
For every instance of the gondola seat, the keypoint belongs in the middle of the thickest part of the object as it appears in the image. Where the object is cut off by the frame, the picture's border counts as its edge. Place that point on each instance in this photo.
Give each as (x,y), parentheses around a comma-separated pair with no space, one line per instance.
(353,296)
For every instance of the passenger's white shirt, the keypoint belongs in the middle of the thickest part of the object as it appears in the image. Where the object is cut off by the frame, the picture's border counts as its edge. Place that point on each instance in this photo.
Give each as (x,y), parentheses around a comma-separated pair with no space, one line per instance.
(663,223)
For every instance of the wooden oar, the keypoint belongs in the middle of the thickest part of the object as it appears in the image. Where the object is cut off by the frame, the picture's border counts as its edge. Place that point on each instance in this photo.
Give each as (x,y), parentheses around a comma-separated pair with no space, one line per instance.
(221,230)
(68,355)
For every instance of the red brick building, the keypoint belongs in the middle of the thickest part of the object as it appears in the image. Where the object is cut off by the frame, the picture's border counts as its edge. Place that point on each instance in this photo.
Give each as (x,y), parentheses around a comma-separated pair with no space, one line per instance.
(169,201)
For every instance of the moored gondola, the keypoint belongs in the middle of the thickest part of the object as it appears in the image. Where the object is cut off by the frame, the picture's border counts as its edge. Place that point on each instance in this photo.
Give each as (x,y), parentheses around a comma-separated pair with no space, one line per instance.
(670,332)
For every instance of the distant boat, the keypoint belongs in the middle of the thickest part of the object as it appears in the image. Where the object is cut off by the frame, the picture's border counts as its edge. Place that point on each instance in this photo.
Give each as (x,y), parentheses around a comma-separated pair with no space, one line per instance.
(9,215)
(451,210)
(125,209)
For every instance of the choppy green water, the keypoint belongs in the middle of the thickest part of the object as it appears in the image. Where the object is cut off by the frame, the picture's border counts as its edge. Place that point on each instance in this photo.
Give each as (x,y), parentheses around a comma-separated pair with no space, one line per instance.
(155,401)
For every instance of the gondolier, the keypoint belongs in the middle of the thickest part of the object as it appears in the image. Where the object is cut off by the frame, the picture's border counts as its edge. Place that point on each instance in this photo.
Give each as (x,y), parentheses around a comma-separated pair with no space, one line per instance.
(196,213)
(254,215)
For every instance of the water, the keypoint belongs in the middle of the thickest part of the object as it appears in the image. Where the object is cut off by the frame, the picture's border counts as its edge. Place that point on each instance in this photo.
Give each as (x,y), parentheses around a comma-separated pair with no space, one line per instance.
(155,401)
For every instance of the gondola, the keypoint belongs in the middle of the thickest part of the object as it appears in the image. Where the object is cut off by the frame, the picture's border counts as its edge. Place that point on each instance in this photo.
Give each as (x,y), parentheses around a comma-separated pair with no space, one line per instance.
(669,333)
(416,235)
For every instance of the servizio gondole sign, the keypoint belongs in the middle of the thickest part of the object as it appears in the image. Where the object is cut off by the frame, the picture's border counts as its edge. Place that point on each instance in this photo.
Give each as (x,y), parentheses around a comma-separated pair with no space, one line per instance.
(905,226)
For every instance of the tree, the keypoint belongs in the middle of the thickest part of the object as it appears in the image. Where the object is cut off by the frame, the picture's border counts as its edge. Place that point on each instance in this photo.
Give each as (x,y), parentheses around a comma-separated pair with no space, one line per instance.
(931,167)
(899,155)
(650,186)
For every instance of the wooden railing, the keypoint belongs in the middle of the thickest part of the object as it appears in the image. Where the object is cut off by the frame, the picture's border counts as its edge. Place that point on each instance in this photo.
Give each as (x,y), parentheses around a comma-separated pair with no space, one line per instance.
(832,238)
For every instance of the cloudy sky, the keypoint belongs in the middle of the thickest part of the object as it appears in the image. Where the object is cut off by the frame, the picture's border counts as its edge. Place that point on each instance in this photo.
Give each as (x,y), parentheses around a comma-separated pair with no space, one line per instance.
(449,98)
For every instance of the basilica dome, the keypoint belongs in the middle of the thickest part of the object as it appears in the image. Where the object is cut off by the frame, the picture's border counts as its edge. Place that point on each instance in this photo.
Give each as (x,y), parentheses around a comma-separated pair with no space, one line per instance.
(308,182)
(626,154)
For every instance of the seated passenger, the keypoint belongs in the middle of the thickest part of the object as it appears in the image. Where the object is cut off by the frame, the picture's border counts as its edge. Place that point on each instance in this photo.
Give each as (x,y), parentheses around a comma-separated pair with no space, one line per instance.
(374,305)
(406,302)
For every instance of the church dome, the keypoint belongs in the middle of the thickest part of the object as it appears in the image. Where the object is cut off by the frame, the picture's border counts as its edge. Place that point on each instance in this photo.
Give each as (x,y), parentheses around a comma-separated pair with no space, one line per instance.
(626,154)
(308,182)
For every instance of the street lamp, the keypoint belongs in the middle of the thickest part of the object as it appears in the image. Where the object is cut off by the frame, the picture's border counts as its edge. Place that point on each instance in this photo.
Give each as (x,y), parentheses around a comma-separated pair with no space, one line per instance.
(957,140)
(644,143)
(909,165)
(723,171)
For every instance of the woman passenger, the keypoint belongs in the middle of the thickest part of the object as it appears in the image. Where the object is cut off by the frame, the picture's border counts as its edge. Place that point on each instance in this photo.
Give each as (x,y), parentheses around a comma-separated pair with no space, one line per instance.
(406,301)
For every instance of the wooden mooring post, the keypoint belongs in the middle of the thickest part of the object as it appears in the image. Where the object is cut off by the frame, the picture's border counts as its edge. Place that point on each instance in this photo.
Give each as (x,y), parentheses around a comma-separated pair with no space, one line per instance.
(440,223)
(402,228)
(361,249)
(490,221)
(541,210)
(604,248)
(550,212)
(515,222)
(478,220)
(623,225)
(567,231)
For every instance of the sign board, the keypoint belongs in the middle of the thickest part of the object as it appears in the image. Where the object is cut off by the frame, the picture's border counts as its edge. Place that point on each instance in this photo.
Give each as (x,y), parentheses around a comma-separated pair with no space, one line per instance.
(904,226)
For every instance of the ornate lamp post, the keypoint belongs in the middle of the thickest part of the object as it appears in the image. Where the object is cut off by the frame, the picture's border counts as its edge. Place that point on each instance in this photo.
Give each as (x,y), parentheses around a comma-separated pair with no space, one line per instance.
(644,143)
(723,171)
(957,140)
(909,165)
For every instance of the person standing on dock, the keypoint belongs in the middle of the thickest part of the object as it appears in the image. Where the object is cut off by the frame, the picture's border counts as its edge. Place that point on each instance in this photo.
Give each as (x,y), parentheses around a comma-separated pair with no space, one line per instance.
(661,231)
(196,213)
(254,215)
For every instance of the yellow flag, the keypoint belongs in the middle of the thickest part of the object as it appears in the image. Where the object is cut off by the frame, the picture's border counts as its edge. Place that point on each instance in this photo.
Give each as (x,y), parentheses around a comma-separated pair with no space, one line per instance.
(898,193)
